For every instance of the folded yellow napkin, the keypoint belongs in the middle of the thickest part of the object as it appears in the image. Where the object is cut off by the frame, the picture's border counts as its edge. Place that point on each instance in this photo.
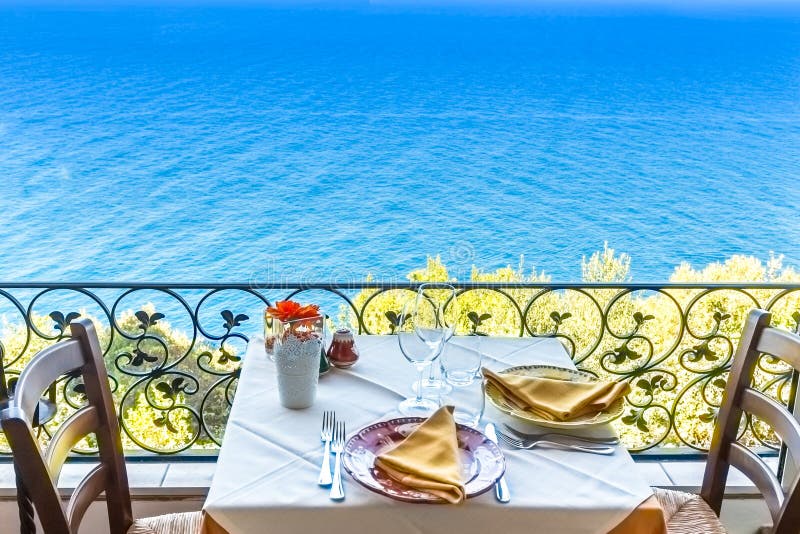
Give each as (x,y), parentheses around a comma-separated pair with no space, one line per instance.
(556,400)
(428,458)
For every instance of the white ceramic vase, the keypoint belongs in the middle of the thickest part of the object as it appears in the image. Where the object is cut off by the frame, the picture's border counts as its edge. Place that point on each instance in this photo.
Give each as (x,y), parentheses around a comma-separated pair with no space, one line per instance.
(297,359)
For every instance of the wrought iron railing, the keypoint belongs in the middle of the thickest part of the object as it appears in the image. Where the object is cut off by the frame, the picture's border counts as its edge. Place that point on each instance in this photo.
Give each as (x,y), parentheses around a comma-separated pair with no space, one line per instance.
(174,350)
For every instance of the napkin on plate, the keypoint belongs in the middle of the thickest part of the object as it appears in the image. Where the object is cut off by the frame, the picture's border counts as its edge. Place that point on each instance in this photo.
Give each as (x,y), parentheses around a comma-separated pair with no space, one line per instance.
(428,458)
(556,400)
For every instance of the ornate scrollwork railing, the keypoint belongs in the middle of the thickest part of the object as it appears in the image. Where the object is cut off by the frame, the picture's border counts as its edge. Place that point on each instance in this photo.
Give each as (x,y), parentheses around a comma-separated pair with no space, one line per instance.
(174,350)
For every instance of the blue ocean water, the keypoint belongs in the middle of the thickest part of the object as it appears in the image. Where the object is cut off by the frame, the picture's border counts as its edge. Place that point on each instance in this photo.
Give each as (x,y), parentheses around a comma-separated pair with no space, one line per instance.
(230,144)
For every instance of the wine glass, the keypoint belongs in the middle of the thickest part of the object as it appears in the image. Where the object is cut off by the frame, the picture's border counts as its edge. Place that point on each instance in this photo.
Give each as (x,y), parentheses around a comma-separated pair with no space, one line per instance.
(437,300)
(416,335)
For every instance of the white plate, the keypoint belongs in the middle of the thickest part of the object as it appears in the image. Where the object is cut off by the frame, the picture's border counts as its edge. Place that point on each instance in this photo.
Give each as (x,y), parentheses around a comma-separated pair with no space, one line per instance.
(558,373)
(482,460)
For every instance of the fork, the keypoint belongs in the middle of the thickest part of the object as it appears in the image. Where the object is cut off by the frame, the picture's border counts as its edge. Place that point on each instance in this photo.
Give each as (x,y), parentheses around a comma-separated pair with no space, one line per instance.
(568,437)
(337,489)
(326,435)
(529,444)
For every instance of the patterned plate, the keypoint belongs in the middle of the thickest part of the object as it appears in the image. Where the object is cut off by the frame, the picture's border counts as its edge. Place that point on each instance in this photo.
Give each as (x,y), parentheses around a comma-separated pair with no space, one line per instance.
(482,460)
(560,373)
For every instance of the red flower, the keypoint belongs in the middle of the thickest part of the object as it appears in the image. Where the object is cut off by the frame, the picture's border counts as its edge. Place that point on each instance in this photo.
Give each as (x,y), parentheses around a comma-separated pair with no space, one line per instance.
(289,310)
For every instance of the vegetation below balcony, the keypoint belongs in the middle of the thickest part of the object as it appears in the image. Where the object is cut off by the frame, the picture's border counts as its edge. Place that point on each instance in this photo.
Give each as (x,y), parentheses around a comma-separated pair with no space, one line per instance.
(174,350)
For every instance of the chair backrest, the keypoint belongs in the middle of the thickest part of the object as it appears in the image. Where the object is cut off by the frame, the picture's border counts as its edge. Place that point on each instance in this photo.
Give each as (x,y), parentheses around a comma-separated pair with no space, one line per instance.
(757,338)
(38,471)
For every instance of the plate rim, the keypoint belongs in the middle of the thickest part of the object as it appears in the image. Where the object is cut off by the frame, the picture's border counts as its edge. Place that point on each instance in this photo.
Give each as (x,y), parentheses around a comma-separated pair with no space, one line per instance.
(617,413)
(435,500)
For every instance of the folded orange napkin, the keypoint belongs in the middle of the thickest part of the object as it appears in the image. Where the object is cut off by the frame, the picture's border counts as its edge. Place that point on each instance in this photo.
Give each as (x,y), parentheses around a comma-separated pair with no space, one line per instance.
(428,458)
(556,400)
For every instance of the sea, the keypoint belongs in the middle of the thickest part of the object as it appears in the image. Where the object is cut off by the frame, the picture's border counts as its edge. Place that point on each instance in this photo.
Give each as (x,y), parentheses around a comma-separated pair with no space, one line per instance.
(235,143)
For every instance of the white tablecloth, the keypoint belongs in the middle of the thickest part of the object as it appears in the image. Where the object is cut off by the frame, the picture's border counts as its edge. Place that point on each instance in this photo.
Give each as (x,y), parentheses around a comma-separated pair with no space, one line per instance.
(269,462)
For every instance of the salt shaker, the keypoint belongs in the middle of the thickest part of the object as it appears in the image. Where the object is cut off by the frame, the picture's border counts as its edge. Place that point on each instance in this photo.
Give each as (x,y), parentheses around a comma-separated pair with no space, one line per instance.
(343,352)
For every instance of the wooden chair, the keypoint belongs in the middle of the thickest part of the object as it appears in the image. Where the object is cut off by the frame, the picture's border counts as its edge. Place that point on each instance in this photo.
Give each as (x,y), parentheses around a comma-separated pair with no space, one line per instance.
(39,472)
(692,514)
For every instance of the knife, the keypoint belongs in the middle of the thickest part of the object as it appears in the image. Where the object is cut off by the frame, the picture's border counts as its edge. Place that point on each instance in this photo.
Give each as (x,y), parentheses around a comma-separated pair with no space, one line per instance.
(501,490)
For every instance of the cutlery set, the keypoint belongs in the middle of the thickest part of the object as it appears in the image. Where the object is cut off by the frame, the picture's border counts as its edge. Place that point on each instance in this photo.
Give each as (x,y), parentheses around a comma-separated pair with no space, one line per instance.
(333,435)
(326,435)
(558,443)
(559,435)
(501,491)
(337,488)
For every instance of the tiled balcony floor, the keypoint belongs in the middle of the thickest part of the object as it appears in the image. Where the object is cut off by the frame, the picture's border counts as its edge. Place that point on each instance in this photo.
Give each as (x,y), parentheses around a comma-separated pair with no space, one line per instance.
(145,478)
(193,478)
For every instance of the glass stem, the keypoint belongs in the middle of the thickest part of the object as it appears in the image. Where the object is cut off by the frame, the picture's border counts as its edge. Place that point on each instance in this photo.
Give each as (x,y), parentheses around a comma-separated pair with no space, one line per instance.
(431,375)
(421,370)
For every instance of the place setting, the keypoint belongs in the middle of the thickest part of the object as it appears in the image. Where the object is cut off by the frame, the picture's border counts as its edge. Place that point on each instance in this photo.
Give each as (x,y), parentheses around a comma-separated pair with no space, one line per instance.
(441,451)
(558,403)
(413,459)
(429,455)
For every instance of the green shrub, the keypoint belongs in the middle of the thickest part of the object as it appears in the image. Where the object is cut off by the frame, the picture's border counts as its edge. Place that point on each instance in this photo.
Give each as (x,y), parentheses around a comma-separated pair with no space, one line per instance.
(672,345)
(677,372)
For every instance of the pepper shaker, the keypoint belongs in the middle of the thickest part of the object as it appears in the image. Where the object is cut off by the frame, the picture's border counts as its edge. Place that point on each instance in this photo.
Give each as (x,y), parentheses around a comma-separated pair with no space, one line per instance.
(343,352)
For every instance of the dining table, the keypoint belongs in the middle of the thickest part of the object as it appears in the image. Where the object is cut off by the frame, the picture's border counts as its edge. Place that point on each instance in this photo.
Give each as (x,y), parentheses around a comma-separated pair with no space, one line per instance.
(266,473)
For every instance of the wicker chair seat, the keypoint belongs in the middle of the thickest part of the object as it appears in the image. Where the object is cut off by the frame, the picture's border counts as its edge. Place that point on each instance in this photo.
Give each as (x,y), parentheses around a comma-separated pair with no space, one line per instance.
(686,513)
(186,523)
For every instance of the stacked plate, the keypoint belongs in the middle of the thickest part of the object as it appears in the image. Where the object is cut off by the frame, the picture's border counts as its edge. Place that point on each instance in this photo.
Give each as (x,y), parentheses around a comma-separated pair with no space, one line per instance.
(482,461)
(559,373)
